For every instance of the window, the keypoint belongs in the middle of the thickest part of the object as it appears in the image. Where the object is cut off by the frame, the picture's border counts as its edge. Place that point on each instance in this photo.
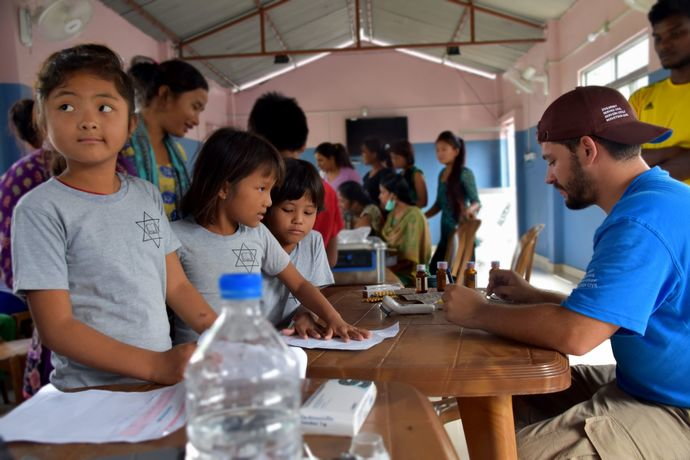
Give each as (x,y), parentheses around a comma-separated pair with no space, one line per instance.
(628,88)
(625,69)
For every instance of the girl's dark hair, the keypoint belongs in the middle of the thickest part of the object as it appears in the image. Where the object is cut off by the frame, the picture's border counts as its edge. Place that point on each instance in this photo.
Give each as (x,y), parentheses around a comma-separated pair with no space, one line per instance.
(404,149)
(664,9)
(337,151)
(148,76)
(454,190)
(97,60)
(397,185)
(375,146)
(21,114)
(354,192)
(301,178)
(228,155)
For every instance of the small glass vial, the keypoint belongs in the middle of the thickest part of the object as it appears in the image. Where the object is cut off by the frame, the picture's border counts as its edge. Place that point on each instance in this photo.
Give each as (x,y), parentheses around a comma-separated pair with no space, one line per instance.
(495,265)
(441,275)
(422,280)
(470,276)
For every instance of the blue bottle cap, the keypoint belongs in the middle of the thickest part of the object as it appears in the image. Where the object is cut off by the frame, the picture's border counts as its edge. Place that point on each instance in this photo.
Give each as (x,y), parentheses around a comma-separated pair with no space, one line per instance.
(240,286)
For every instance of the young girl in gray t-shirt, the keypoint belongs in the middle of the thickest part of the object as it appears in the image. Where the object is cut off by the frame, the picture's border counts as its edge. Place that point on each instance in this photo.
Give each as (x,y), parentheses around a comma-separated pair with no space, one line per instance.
(92,250)
(222,231)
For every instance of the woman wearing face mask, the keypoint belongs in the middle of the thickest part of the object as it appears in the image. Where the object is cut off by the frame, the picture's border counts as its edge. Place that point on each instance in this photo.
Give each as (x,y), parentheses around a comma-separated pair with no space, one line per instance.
(170,96)
(406,230)
(457,197)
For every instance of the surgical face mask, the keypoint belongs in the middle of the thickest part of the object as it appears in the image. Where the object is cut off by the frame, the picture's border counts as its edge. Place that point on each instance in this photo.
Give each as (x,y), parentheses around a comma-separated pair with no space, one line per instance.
(390,205)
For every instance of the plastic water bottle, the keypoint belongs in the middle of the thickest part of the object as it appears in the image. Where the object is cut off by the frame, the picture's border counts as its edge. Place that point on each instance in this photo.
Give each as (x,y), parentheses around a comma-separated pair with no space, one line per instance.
(243,386)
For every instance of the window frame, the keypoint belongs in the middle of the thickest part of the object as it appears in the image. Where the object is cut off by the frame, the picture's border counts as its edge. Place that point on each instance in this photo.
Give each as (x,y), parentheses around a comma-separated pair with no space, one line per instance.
(613,55)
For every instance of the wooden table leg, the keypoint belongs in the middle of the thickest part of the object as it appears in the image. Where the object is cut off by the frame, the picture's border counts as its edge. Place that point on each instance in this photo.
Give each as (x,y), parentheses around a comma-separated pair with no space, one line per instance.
(489,427)
(17,364)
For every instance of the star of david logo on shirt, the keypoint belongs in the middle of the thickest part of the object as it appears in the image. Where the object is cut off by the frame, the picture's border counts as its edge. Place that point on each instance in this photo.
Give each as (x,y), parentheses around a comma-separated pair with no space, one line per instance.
(151,229)
(246,257)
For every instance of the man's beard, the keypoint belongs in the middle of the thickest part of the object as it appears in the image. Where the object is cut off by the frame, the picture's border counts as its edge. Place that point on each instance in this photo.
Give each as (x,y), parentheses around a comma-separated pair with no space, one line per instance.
(579,190)
(683,63)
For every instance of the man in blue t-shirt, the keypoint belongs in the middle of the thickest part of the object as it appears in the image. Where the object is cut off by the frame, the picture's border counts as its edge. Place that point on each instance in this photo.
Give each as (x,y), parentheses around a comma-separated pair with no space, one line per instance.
(636,292)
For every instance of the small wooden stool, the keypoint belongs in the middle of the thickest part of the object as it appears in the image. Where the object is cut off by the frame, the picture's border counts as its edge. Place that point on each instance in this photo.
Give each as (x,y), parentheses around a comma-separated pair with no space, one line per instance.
(13,361)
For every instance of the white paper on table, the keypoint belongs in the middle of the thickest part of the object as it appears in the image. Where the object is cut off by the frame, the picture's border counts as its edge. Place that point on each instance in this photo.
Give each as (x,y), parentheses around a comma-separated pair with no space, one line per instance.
(338,343)
(96,416)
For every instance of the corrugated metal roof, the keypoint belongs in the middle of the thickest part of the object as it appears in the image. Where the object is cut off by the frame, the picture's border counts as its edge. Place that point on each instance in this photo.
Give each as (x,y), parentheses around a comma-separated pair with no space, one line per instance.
(326,24)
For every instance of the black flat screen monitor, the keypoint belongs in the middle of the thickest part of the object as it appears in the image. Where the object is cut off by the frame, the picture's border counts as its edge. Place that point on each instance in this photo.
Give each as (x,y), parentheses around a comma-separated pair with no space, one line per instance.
(387,130)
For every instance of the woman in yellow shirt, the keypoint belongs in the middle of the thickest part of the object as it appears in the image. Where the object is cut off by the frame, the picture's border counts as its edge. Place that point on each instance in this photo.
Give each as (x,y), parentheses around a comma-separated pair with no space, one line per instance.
(170,97)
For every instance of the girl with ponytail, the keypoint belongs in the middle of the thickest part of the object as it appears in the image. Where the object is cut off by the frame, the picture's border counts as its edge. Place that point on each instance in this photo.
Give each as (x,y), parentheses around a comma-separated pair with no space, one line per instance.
(457,198)
(170,97)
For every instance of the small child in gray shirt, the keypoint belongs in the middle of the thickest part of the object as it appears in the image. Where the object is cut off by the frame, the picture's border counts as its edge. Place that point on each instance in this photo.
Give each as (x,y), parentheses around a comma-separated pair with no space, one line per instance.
(222,232)
(291,219)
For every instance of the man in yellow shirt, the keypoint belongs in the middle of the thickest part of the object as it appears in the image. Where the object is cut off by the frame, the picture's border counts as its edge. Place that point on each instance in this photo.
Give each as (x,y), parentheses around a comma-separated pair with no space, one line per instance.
(667,102)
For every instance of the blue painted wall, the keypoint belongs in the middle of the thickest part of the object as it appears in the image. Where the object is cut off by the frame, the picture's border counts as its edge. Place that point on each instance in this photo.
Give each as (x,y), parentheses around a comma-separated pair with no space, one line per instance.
(9,145)
(484,158)
(191,147)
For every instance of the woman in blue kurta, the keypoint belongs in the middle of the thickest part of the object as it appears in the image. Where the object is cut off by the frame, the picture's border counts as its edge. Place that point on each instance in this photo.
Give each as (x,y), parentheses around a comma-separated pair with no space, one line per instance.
(457,198)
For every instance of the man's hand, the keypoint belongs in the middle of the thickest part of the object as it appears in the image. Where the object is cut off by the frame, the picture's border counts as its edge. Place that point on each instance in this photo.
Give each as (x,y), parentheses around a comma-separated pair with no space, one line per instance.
(510,286)
(461,305)
(168,366)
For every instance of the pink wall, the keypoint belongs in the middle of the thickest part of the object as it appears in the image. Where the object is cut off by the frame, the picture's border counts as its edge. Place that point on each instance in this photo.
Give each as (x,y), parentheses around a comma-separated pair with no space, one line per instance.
(8,37)
(20,64)
(567,52)
(387,83)
(433,97)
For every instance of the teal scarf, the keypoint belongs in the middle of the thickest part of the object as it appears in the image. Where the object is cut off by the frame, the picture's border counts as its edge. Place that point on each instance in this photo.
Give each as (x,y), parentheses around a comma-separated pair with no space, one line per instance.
(145,160)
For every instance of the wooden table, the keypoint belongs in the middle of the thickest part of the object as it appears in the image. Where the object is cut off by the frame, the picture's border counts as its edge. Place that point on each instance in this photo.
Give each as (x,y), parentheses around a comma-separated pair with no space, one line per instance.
(401,414)
(440,359)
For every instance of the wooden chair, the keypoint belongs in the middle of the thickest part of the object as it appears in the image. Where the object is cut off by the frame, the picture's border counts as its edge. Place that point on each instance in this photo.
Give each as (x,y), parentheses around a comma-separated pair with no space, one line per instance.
(24,324)
(465,236)
(13,361)
(524,253)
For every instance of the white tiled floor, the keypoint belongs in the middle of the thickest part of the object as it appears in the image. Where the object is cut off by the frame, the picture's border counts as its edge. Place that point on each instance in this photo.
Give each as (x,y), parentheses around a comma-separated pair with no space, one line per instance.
(600,355)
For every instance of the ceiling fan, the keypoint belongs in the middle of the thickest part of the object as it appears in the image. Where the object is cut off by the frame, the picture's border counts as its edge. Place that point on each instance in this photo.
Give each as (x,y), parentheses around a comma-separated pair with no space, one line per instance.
(524,80)
(55,20)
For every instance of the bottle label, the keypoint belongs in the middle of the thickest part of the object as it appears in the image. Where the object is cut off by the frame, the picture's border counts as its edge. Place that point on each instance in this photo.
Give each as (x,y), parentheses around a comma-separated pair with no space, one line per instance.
(422,285)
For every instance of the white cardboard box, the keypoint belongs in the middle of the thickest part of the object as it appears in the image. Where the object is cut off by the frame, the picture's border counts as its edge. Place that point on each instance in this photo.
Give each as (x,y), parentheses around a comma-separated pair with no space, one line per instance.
(338,407)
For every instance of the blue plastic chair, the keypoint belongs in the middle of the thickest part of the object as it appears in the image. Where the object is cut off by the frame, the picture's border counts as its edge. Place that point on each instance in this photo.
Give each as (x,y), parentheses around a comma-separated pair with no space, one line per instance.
(10,303)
